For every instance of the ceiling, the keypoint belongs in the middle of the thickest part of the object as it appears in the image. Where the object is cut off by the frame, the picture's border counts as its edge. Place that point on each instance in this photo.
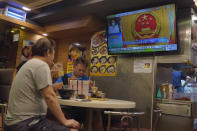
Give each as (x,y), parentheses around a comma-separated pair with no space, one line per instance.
(70,9)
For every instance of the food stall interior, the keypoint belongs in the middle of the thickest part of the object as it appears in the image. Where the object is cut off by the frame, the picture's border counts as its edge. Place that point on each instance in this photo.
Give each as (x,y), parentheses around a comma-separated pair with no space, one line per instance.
(59,20)
(179,109)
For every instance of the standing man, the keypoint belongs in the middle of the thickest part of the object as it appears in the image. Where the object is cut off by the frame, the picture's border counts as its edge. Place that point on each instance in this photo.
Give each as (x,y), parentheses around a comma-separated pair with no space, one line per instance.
(177,76)
(31,93)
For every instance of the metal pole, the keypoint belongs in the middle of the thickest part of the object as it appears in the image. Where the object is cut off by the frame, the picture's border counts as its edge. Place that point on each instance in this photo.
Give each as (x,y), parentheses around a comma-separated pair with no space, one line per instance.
(109,122)
(138,123)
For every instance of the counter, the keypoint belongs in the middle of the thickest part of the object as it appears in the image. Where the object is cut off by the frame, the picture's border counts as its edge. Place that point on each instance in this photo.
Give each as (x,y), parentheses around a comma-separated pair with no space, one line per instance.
(191,107)
(176,115)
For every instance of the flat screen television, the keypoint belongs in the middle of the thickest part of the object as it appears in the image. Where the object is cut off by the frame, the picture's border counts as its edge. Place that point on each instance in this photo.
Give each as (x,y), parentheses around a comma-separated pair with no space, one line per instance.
(149,31)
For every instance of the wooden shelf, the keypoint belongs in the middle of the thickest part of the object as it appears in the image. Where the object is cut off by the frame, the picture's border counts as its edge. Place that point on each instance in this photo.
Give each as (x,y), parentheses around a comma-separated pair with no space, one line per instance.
(19,23)
(82,26)
(79,27)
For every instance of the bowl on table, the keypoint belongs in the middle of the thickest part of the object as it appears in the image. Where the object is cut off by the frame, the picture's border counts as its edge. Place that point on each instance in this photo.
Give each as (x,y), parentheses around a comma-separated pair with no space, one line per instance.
(66,93)
(79,96)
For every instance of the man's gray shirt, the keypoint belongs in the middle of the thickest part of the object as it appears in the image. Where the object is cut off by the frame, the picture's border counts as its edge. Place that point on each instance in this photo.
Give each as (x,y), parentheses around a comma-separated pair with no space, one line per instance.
(26,99)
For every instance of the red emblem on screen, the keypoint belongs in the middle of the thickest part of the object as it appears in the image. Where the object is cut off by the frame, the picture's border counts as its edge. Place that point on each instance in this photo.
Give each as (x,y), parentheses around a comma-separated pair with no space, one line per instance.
(146,26)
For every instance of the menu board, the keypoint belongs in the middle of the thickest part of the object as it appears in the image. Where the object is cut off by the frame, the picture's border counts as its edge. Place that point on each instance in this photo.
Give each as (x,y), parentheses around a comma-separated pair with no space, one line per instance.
(102,64)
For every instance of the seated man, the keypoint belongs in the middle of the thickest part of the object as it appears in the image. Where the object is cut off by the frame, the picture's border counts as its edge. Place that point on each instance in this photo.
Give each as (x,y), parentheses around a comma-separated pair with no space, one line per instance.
(78,73)
(78,113)
(31,93)
(79,70)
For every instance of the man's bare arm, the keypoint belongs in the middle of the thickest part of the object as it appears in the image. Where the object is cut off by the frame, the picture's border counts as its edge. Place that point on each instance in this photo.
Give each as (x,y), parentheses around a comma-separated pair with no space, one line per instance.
(54,107)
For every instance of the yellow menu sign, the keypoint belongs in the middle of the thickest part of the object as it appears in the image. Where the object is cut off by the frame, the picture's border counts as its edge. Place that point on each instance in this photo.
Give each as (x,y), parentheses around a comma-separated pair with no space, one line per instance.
(102,64)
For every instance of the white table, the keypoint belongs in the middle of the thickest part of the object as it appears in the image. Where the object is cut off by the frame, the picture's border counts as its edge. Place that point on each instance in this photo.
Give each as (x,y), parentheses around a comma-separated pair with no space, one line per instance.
(106,104)
(96,104)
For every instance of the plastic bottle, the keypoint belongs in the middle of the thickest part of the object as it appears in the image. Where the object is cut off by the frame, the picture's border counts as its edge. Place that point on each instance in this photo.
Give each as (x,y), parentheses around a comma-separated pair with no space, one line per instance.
(174,93)
(159,93)
(89,94)
(170,92)
(195,124)
(164,93)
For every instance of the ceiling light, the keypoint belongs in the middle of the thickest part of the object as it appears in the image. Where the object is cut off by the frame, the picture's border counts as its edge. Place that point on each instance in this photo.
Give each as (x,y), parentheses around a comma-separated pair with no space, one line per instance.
(26,8)
(195,2)
(22,27)
(77,44)
(12,31)
(194,17)
(44,34)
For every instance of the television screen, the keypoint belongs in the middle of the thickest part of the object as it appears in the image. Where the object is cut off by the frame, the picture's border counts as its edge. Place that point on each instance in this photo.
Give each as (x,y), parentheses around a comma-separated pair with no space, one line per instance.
(148,30)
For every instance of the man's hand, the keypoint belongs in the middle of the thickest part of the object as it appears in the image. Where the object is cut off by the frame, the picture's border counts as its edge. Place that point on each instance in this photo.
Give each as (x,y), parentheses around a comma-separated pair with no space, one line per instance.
(72,123)
(91,83)
(57,86)
(54,73)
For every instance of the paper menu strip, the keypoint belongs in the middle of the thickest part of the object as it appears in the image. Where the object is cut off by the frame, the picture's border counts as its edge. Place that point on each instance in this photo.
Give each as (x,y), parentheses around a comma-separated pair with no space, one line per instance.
(80,86)
(86,87)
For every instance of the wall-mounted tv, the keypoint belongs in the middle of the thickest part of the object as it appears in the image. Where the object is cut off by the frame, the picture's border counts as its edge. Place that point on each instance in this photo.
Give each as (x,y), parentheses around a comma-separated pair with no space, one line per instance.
(151,30)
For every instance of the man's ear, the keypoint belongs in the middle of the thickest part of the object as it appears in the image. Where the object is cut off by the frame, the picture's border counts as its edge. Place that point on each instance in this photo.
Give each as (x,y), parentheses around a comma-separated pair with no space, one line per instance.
(47,53)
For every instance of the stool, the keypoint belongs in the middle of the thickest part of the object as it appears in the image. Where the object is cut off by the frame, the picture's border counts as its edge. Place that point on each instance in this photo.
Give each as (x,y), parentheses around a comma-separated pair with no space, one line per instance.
(3,108)
(128,116)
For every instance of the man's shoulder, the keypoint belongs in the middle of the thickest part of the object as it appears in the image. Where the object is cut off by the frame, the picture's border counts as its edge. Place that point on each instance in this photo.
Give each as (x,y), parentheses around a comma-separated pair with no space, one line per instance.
(69,74)
(84,77)
(20,65)
(176,71)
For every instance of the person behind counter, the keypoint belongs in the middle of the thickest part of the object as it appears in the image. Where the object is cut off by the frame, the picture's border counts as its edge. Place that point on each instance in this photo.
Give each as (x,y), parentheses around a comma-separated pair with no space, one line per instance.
(191,72)
(32,92)
(177,76)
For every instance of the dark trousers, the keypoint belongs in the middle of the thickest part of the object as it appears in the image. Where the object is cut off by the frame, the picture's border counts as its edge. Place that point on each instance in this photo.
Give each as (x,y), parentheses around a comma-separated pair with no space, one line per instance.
(77,113)
(40,123)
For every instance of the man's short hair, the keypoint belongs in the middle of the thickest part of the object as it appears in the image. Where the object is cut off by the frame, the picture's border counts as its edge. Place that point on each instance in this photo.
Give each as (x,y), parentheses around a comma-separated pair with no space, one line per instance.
(81,60)
(41,47)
